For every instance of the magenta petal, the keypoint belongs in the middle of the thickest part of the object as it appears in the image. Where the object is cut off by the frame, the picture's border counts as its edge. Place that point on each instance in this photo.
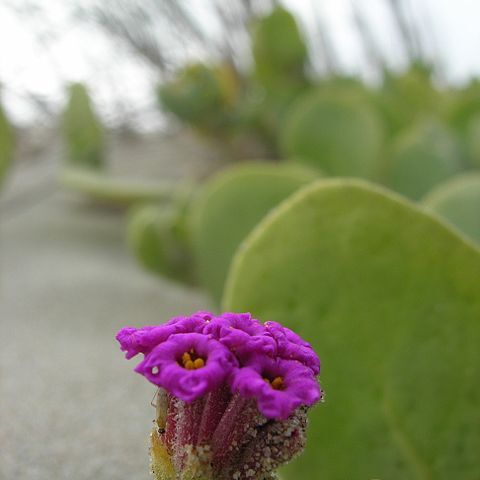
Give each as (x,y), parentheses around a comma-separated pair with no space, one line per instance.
(291,346)
(300,386)
(141,340)
(242,334)
(161,366)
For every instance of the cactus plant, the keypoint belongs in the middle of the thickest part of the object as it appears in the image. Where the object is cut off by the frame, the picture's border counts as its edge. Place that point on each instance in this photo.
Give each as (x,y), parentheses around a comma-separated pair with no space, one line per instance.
(464,106)
(472,140)
(389,297)
(229,206)
(458,201)
(279,75)
(425,155)
(407,97)
(115,191)
(156,235)
(82,130)
(279,51)
(201,96)
(6,144)
(339,133)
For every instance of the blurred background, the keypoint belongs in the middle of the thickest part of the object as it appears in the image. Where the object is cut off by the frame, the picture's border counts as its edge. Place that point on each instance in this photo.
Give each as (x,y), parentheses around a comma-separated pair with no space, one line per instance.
(142,140)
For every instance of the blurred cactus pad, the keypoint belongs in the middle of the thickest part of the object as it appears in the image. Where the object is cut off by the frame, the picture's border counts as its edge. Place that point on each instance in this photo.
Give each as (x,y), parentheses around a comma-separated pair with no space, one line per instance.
(156,235)
(116,191)
(465,105)
(458,201)
(82,130)
(337,132)
(279,50)
(355,270)
(409,96)
(473,140)
(228,208)
(410,132)
(423,156)
(201,96)
(7,144)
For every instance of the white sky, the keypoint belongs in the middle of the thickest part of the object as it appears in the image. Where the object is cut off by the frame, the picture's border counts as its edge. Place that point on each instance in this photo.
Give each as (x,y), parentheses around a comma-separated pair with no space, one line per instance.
(79,53)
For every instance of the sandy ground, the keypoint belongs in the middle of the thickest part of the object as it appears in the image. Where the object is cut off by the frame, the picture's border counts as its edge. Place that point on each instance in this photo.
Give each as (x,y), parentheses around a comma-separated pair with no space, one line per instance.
(70,405)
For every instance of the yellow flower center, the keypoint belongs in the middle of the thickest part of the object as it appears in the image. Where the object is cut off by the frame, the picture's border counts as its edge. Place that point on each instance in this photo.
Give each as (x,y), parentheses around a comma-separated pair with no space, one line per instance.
(277,383)
(191,361)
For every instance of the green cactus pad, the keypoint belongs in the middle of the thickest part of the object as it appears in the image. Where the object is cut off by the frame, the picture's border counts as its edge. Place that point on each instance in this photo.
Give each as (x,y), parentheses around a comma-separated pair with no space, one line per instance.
(389,296)
(473,140)
(196,97)
(155,235)
(340,134)
(278,48)
(121,192)
(464,106)
(228,208)
(422,157)
(279,73)
(409,96)
(458,200)
(7,143)
(82,130)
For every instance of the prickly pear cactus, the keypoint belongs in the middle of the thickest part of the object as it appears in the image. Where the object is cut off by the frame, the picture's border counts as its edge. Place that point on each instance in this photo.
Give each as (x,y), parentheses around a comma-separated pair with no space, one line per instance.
(115,191)
(408,96)
(473,140)
(228,208)
(425,155)
(279,51)
(390,299)
(156,235)
(279,75)
(458,201)
(464,106)
(339,133)
(6,144)
(82,130)
(201,96)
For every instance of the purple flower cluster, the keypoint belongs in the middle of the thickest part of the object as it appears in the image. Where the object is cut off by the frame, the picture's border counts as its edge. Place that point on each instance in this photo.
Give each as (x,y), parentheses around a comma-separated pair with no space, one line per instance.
(266,362)
(232,394)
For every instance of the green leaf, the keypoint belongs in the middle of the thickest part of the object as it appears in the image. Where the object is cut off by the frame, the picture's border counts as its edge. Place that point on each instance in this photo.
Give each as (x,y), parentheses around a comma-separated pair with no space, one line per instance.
(196,96)
(82,130)
(228,208)
(390,298)
(155,235)
(458,200)
(464,105)
(340,134)
(279,73)
(7,144)
(279,50)
(473,140)
(426,154)
(113,190)
(405,97)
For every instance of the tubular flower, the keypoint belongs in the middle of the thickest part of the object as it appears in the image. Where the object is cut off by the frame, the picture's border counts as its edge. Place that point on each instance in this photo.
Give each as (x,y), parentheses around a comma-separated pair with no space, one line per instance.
(233,394)
(291,346)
